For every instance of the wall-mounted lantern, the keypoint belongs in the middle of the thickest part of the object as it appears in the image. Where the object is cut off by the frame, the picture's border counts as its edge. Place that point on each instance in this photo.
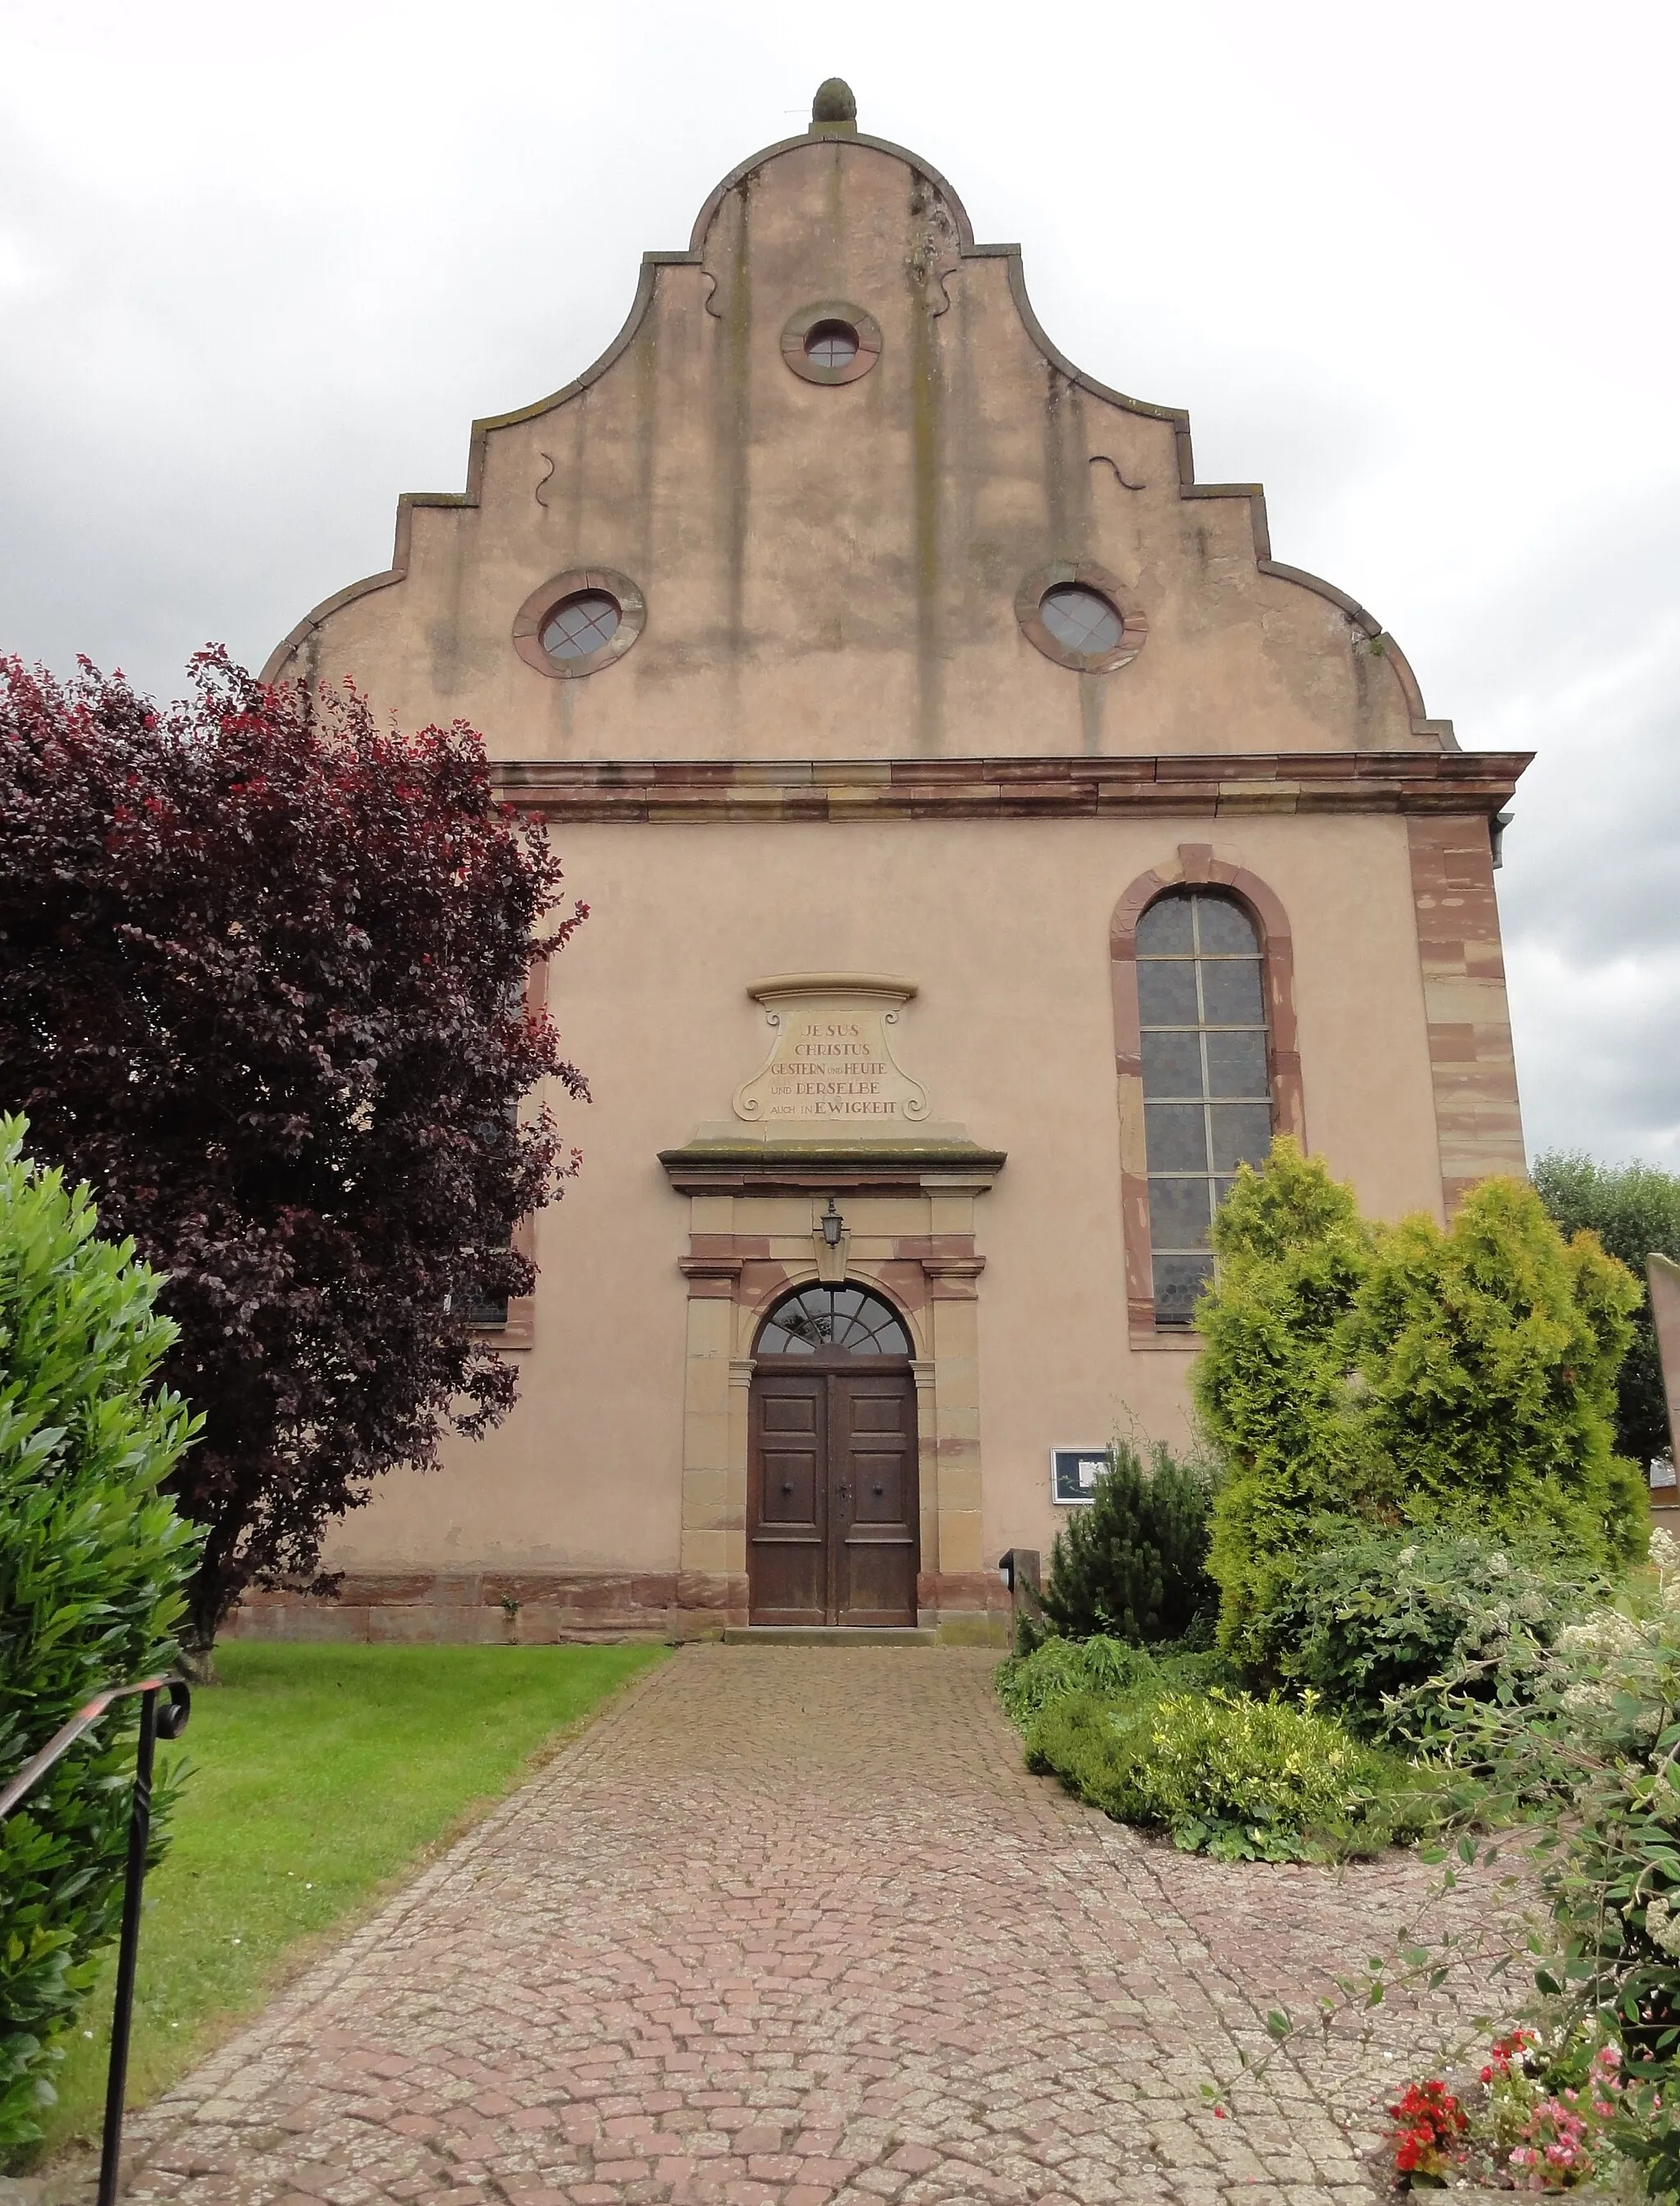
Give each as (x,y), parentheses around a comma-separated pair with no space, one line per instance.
(833,1237)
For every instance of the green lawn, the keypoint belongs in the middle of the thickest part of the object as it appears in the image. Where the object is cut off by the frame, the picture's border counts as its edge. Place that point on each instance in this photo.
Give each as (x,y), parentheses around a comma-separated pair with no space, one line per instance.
(317,1777)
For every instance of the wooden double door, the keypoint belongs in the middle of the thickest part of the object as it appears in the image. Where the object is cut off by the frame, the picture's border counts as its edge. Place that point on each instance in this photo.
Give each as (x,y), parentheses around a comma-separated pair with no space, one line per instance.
(832,1530)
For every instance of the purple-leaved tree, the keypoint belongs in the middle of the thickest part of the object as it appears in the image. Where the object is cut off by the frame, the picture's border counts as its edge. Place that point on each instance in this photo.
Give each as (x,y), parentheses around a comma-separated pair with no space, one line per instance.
(263,984)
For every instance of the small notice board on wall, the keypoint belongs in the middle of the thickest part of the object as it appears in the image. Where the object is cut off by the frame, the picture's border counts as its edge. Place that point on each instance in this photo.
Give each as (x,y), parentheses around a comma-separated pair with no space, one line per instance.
(1074,1472)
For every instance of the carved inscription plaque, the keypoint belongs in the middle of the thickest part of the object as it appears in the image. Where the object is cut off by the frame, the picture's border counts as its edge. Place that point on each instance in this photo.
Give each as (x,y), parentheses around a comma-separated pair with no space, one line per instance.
(831,1067)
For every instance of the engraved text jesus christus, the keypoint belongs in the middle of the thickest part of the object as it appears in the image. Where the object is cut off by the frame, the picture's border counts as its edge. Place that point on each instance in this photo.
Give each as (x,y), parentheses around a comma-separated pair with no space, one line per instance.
(833,1072)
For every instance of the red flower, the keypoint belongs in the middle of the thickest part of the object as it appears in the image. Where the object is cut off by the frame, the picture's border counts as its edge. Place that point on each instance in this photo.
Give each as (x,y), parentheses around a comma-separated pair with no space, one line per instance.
(1429,2121)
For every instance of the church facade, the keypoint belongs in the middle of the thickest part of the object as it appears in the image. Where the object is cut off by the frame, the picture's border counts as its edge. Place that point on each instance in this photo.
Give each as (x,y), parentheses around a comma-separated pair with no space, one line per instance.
(988,845)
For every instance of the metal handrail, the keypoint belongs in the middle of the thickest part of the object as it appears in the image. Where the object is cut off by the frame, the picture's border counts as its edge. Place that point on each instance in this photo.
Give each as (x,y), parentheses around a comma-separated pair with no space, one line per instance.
(168,1721)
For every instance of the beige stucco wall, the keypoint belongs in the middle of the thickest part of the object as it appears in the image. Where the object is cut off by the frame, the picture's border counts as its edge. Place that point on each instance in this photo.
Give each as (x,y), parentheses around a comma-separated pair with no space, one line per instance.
(830,572)
(1004,927)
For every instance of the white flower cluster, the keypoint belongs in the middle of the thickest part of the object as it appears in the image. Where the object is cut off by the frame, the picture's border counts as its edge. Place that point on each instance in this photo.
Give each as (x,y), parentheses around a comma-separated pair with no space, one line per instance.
(1662,1927)
(1665,1556)
(1605,1632)
(1580,1699)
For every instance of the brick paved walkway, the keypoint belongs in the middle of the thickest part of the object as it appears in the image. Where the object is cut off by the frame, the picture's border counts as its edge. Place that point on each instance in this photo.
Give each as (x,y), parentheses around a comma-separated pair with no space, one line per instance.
(790,1926)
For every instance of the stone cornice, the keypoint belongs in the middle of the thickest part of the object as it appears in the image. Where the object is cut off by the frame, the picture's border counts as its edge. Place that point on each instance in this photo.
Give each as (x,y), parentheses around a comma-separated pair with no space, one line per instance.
(1214,785)
(812,1167)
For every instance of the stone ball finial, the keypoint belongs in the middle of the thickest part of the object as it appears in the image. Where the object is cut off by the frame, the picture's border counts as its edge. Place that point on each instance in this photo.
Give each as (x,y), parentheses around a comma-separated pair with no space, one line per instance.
(834,103)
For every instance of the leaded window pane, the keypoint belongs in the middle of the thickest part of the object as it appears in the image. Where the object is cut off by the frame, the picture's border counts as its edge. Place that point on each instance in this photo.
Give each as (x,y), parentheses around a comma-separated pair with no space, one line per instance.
(831,344)
(586,621)
(1241,1133)
(1179,1210)
(1178,1281)
(1177,1136)
(1235,1065)
(1172,1063)
(1167,992)
(1164,929)
(1206,1077)
(1223,929)
(1230,992)
(1080,619)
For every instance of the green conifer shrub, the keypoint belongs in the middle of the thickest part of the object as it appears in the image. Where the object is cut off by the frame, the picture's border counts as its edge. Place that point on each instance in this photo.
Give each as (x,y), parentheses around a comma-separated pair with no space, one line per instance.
(1489,1354)
(93,1564)
(1271,1385)
(1358,1376)
(1132,1565)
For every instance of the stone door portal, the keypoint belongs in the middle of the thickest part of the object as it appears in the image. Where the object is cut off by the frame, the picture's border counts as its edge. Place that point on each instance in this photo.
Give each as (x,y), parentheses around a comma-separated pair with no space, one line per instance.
(832,1503)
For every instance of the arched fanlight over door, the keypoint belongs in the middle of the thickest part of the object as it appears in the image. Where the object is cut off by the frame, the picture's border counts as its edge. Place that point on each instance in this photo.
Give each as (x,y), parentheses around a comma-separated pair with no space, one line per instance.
(847,1321)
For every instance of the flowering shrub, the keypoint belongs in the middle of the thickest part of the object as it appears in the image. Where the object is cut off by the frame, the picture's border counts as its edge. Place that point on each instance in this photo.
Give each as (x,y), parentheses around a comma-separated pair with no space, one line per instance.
(1553,2156)
(1591,1765)
(1377,1621)
(1530,2129)
(1506,2051)
(1429,2128)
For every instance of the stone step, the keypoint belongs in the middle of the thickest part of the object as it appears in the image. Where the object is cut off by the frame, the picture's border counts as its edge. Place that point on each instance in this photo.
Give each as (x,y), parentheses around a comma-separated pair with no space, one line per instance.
(829,1635)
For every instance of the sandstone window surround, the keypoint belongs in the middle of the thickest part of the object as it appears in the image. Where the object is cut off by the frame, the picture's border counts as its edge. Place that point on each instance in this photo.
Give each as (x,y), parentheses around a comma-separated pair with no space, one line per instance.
(755,1232)
(1194,867)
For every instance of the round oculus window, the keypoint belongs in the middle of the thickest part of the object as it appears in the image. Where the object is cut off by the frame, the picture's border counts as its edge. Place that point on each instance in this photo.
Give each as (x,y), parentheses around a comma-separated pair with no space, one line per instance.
(832,341)
(579,622)
(831,345)
(1082,620)
(582,624)
(1070,610)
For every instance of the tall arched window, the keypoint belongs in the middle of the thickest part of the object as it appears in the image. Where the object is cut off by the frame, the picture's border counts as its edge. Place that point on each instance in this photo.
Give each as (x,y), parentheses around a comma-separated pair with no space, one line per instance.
(1206,1082)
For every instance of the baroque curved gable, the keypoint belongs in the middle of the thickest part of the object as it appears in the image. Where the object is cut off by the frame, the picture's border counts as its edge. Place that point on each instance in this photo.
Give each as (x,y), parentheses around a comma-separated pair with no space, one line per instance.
(836,568)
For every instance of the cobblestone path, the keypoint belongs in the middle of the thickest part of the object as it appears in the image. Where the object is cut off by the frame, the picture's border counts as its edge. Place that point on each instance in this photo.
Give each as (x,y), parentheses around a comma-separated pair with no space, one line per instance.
(791,1926)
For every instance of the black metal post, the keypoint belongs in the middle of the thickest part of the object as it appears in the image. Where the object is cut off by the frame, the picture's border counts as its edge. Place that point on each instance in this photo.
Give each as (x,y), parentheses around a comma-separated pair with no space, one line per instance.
(140,1832)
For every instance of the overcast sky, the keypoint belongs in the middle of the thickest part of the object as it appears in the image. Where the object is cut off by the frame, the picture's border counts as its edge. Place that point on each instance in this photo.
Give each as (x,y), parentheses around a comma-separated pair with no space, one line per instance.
(1412,267)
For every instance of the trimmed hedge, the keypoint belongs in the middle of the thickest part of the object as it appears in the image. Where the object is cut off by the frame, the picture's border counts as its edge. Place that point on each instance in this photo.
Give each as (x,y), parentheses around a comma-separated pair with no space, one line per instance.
(1226,1775)
(93,1561)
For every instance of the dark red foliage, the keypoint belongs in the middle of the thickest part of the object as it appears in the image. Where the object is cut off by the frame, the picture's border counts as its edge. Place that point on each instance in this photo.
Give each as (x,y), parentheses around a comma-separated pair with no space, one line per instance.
(262,983)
